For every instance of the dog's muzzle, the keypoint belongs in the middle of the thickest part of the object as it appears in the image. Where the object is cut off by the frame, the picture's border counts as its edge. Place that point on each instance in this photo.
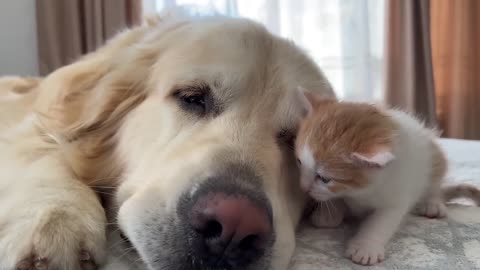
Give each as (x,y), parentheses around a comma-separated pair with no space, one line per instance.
(228,221)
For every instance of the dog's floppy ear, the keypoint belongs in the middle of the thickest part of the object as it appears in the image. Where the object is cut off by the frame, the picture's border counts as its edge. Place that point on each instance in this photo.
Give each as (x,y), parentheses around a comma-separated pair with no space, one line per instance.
(94,91)
(81,105)
(169,16)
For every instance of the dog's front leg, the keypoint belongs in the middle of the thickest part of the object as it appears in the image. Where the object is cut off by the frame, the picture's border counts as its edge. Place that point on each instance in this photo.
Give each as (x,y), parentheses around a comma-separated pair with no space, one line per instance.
(48,219)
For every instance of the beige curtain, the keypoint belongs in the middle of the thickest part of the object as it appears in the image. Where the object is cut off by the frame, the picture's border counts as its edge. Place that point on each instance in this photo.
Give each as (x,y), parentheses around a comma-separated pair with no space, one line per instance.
(456,58)
(68,29)
(409,80)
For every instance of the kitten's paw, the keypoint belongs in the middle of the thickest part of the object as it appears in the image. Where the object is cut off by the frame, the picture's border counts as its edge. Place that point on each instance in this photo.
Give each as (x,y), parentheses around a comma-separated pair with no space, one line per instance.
(52,239)
(431,209)
(328,214)
(365,252)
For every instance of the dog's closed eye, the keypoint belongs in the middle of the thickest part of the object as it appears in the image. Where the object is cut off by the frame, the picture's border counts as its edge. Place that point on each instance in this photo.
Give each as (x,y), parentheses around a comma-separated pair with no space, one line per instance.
(196,99)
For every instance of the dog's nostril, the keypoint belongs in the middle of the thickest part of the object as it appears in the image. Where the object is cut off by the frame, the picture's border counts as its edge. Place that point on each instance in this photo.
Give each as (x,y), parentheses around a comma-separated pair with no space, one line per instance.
(212,229)
(234,230)
(248,242)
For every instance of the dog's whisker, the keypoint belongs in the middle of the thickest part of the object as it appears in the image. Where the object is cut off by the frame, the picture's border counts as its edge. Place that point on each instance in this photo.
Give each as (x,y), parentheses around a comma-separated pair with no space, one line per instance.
(125,252)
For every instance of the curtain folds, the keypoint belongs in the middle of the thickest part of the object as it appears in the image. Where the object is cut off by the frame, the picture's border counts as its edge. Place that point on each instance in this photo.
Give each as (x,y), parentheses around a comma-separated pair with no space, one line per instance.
(409,81)
(456,62)
(68,29)
(433,63)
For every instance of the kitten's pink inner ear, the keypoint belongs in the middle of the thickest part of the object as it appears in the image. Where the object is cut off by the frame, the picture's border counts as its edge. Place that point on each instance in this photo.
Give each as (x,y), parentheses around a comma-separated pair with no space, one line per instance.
(306,99)
(377,159)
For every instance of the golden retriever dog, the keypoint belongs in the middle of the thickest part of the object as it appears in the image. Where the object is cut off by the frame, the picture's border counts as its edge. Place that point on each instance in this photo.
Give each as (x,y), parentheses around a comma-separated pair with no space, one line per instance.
(190,121)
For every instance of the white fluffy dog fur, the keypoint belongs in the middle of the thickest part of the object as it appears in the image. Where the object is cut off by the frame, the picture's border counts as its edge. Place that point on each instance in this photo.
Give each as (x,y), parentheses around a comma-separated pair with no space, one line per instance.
(113,119)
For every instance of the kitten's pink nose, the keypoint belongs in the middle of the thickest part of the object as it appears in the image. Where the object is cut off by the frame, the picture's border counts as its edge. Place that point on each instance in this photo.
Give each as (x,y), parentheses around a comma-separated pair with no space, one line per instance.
(229,222)
(305,185)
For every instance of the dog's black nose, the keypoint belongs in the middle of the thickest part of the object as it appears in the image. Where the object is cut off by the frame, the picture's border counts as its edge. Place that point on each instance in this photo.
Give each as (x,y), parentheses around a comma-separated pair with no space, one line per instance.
(232,227)
(231,222)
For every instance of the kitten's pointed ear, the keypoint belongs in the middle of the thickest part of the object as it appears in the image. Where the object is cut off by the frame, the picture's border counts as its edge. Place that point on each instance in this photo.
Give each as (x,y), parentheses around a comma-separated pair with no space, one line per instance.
(379,157)
(310,100)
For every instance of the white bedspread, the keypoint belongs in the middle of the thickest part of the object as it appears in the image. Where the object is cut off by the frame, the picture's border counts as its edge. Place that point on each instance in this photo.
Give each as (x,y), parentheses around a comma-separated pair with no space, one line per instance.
(451,243)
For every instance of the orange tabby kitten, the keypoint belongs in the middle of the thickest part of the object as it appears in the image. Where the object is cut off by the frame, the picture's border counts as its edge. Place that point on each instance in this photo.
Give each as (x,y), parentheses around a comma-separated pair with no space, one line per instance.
(379,164)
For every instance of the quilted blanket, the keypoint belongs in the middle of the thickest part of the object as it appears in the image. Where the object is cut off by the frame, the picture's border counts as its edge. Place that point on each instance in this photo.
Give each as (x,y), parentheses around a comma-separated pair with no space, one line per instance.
(450,243)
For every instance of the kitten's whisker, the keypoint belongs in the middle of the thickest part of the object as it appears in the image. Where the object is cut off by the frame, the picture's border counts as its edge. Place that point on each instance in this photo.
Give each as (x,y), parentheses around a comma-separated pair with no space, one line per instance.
(334,207)
(328,209)
(105,187)
(139,260)
(105,193)
(116,230)
(107,223)
(101,179)
(316,206)
(119,242)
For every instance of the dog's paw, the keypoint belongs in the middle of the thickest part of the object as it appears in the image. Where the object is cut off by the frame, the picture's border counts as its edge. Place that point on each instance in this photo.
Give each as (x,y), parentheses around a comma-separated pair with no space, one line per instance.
(328,214)
(365,252)
(35,262)
(431,209)
(41,239)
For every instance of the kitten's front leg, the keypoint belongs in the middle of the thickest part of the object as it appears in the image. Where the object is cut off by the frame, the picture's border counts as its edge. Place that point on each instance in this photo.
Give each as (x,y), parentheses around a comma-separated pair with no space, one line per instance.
(328,214)
(432,204)
(368,246)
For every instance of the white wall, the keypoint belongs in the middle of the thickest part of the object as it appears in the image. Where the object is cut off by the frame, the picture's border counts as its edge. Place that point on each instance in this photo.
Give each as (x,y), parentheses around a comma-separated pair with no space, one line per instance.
(18,38)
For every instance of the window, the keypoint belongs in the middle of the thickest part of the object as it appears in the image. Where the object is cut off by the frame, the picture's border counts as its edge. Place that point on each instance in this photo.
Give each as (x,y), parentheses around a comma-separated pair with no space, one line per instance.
(344,37)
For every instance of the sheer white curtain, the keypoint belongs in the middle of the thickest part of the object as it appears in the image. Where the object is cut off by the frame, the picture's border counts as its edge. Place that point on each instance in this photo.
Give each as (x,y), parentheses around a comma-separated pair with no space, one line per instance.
(345,37)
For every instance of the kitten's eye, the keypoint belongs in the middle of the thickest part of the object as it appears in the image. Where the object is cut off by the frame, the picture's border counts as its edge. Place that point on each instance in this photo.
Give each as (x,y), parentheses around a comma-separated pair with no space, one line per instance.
(287,137)
(323,179)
